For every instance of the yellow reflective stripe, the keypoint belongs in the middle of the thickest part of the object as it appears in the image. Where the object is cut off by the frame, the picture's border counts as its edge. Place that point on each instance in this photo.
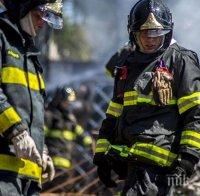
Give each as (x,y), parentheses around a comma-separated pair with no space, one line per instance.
(65,134)
(13,75)
(130,93)
(152,102)
(132,98)
(185,98)
(115,109)
(61,162)
(69,135)
(187,102)
(8,118)
(133,102)
(172,102)
(55,133)
(190,143)
(191,133)
(20,166)
(87,140)
(103,141)
(156,148)
(191,138)
(102,145)
(42,84)
(154,153)
(123,151)
(188,106)
(79,130)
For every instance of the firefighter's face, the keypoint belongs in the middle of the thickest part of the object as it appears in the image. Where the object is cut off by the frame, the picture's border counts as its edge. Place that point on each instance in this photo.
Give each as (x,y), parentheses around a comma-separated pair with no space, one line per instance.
(37,20)
(149,44)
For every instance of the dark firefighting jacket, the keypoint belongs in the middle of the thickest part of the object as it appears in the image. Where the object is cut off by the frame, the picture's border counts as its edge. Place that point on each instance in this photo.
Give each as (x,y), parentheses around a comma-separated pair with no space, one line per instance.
(62,132)
(137,126)
(21,96)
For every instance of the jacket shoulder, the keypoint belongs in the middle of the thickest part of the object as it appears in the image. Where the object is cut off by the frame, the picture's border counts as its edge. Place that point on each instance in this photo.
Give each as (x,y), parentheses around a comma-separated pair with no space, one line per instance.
(118,59)
(184,52)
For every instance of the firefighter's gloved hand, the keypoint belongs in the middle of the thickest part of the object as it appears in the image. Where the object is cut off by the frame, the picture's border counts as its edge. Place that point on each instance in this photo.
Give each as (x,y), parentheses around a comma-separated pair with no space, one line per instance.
(183,168)
(25,147)
(47,167)
(104,169)
(121,169)
(119,165)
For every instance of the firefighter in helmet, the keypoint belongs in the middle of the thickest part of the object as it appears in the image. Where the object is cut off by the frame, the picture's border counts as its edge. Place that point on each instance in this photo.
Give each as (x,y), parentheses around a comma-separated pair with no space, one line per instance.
(24,159)
(152,121)
(63,132)
(60,122)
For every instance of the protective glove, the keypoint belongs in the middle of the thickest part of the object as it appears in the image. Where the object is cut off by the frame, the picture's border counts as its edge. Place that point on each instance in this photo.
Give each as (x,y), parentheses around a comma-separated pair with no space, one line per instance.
(161,86)
(121,169)
(118,164)
(188,165)
(47,166)
(183,168)
(25,147)
(104,169)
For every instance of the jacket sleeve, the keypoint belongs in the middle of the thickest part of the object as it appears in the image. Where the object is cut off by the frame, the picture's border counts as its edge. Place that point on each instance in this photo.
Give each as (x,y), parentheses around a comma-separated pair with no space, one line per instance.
(187,79)
(113,113)
(110,65)
(8,115)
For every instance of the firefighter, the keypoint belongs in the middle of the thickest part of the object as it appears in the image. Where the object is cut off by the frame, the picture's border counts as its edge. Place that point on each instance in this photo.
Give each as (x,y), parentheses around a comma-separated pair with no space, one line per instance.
(24,158)
(60,123)
(63,133)
(152,121)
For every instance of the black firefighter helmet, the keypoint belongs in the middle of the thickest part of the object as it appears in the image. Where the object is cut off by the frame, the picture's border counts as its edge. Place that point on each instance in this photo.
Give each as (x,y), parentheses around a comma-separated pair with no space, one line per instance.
(152,15)
(63,94)
(52,10)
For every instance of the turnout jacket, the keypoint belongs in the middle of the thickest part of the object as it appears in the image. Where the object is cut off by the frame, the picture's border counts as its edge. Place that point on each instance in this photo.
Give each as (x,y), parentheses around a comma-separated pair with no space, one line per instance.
(136,125)
(21,96)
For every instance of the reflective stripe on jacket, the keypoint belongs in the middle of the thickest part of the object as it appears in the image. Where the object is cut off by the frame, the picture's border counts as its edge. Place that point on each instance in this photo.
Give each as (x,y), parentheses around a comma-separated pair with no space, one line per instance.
(21,166)
(150,152)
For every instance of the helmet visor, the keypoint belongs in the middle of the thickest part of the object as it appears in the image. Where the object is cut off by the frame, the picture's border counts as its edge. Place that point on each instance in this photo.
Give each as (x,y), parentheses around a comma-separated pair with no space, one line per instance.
(53,20)
(154,32)
(2,8)
(52,14)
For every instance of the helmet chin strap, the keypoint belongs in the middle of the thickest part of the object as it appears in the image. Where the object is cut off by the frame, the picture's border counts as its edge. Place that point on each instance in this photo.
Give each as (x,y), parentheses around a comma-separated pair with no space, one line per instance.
(27,25)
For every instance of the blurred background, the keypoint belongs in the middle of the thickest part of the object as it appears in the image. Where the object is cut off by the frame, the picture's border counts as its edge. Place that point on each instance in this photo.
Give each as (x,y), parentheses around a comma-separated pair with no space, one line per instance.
(95,29)
(75,57)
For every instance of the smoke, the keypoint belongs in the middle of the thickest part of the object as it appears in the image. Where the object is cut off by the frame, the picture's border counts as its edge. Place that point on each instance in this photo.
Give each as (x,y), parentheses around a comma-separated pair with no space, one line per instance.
(106,24)
(186,18)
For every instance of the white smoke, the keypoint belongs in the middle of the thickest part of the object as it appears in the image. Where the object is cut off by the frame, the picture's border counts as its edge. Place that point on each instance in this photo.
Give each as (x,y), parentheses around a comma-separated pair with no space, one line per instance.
(106,31)
(186,16)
